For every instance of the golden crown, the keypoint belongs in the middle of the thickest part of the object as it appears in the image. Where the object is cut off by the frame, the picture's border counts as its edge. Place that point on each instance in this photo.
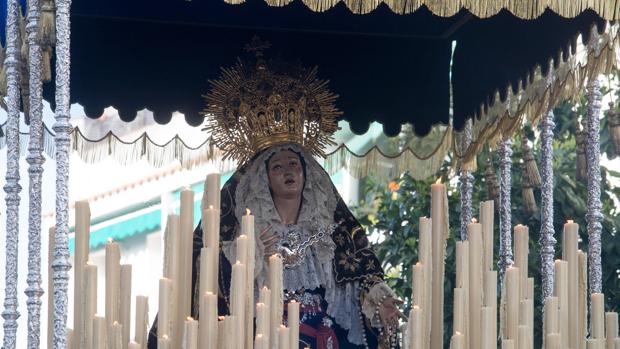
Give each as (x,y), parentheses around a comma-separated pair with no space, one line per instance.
(252,107)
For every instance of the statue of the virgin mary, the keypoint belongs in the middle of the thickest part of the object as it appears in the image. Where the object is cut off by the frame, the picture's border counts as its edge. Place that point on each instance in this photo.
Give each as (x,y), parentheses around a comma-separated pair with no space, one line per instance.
(274,118)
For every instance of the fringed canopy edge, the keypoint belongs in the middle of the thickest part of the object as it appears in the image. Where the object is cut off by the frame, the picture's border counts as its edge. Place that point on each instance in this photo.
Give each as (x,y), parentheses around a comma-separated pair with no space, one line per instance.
(526,9)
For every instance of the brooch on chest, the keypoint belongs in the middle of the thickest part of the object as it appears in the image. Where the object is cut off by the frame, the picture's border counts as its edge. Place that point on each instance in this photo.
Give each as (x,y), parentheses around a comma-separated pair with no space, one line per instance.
(292,247)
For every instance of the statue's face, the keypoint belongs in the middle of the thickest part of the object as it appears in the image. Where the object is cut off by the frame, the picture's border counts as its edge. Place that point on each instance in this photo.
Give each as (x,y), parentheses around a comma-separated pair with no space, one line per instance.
(286,175)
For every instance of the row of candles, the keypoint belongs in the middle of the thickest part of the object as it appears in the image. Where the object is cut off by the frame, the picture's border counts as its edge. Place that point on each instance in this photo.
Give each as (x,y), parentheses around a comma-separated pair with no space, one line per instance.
(176,328)
(475,309)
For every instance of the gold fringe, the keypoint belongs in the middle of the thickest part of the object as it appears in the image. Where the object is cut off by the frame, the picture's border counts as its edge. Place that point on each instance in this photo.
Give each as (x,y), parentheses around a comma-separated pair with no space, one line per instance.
(491,182)
(46,60)
(47,24)
(581,162)
(530,168)
(527,192)
(526,9)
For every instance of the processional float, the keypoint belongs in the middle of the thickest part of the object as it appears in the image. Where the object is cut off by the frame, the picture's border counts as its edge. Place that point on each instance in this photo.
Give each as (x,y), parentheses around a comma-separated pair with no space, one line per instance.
(30,41)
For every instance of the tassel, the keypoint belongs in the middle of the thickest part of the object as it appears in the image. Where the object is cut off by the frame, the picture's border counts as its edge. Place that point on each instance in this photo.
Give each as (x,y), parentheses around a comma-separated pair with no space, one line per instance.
(527,192)
(530,169)
(47,24)
(581,162)
(613,124)
(492,185)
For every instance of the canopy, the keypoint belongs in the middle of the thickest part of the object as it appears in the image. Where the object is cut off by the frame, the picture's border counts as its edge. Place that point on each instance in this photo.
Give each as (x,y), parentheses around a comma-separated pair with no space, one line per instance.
(426,64)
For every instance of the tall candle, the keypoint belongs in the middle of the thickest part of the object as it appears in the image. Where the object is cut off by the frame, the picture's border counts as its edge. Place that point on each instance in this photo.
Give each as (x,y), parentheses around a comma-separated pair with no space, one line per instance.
(526,307)
(415,330)
(426,258)
(457,341)
(511,289)
(190,334)
(82,241)
(112,282)
(90,305)
(247,229)
(561,291)
(551,319)
(165,316)
(439,235)
(569,254)
(611,328)
(237,299)
(293,323)
(186,228)
(487,318)
(418,284)
(206,278)
(50,287)
(172,245)
(175,263)
(283,334)
(458,320)
(100,338)
(277,298)
(260,342)
(490,299)
(134,345)
(125,302)
(474,232)
(208,321)
(142,320)
(486,219)
(116,337)
(617,343)
(264,296)
(523,337)
(552,341)
(70,342)
(211,239)
(462,281)
(508,344)
(582,297)
(262,321)
(163,342)
(521,238)
(213,190)
(598,315)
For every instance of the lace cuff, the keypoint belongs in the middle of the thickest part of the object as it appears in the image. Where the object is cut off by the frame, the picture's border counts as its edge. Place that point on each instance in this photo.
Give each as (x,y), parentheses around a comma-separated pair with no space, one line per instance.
(373,298)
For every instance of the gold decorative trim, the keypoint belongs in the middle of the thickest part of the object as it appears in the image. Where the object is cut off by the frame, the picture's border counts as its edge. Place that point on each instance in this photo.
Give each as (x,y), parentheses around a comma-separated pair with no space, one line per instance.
(526,9)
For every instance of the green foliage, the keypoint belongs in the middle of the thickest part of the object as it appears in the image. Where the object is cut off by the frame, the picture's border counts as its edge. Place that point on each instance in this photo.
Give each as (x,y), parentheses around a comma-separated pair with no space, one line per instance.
(394,214)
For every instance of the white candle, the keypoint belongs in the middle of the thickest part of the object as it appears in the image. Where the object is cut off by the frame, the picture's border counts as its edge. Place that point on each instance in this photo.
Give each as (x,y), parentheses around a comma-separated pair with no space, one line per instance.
(262,321)
(523,337)
(569,254)
(247,229)
(212,190)
(264,296)
(112,282)
(116,337)
(206,277)
(458,319)
(439,236)
(293,323)
(508,344)
(474,232)
(208,321)
(142,321)
(425,256)
(50,287)
(462,281)
(165,316)
(598,315)
(242,249)
(184,287)
(283,334)
(211,239)
(125,302)
(552,341)
(70,343)
(487,318)
(490,299)
(582,297)
(260,342)
(457,341)
(163,342)
(511,287)
(277,298)
(82,241)
(522,238)
(415,329)
(561,291)
(190,334)
(418,284)
(551,316)
(100,338)
(90,306)
(134,345)
(486,219)
(237,298)
(611,328)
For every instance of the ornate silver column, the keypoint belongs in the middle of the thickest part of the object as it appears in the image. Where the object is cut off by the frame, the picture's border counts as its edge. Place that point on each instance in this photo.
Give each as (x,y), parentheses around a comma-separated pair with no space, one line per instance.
(594,216)
(62,128)
(547,240)
(505,181)
(35,160)
(12,187)
(467,184)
